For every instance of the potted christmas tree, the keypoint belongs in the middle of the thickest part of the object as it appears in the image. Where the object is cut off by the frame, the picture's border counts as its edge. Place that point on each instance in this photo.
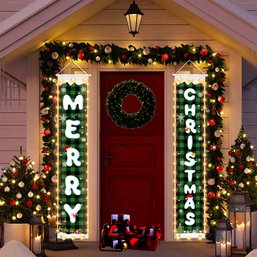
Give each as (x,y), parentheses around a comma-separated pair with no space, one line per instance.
(241,173)
(22,196)
(241,170)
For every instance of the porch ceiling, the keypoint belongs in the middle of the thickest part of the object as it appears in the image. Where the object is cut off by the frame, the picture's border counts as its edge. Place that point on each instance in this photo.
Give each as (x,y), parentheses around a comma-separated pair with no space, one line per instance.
(45,20)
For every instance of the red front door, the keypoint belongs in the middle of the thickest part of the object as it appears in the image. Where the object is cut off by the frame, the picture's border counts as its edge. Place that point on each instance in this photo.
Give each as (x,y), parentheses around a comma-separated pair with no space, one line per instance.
(132,160)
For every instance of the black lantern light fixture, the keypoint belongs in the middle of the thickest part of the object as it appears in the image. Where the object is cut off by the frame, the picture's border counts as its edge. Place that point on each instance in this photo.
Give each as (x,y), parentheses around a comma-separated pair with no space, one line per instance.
(133,17)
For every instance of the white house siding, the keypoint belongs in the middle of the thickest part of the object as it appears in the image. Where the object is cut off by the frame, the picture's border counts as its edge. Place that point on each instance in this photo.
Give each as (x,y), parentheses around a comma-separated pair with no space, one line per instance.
(10,7)
(158,27)
(249,5)
(250,111)
(12,119)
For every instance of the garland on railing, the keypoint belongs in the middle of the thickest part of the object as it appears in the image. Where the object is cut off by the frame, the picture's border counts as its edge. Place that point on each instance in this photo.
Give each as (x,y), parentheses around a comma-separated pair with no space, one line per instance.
(55,52)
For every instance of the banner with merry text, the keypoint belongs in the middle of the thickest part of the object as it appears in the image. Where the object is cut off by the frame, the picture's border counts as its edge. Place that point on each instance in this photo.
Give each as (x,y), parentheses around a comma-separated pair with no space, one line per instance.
(72,156)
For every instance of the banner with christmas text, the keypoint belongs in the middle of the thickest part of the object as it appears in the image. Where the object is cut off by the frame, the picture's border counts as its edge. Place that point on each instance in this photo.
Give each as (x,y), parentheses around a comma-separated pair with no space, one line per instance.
(190,156)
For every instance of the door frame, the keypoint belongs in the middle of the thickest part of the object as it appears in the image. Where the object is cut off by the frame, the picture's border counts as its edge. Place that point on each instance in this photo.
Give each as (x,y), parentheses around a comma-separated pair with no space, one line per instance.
(94,143)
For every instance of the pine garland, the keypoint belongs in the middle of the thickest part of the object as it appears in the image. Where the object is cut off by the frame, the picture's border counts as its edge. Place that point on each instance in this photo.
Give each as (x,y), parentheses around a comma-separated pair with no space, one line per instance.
(55,52)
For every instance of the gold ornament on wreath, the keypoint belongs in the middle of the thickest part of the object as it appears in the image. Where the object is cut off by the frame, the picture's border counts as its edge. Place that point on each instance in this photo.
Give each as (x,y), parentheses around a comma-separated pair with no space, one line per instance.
(115,109)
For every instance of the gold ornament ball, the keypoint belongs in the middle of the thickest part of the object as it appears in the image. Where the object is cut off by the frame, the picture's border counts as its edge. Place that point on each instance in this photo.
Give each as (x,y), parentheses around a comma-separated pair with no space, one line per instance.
(107,49)
(30,194)
(54,55)
(146,51)
(4,179)
(38,207)
(19,196)
(19,215)
(21,184)
(7,189)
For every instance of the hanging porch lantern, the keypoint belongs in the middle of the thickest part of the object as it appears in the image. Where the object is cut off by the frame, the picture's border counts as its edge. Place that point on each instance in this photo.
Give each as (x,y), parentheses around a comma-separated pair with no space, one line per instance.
(133,17)
(239,213)
(223,238)
(37,236)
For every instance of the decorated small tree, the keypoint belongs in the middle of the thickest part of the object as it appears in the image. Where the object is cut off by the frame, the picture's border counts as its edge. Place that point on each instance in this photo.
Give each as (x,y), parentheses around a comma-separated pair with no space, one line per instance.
(241,169)
(22,192)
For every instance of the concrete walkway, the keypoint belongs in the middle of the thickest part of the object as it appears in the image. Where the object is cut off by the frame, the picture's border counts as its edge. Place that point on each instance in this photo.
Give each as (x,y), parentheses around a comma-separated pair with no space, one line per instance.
(164,249)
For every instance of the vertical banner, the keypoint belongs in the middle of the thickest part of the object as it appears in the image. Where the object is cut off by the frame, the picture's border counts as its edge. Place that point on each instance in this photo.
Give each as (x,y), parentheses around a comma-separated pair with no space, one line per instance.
(189,150)
(72,156)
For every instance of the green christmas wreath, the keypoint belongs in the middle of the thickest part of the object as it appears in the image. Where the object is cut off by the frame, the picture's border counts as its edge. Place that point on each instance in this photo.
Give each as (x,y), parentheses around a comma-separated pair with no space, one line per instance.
(115,99)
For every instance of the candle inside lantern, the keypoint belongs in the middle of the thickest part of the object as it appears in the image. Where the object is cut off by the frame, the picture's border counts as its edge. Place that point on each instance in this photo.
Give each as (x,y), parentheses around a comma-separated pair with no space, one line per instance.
(223,250)
(37,245)
(240,236)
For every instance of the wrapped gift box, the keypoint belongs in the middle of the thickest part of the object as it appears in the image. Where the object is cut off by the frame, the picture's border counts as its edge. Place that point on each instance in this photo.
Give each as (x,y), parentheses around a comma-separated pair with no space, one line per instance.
(121,234)
(120,218)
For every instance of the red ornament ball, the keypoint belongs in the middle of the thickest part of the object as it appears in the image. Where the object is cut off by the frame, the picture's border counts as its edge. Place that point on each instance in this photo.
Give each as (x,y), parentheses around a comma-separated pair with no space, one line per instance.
(212,122)
(34,186)
(185,55)
(241,166)
(219,168)
(47,167)
(29,203)
(231,170)
(81,55)
(222,80)
(157,47)
(46,88)
(91,48)
(211,194)
(124,57)
(218,54)
(46,198)
(210,61)
(43,119)
(12,202)
(16,174)
(238,153)
(165,57)
(218,158)
(204,52)
(230,153)
(25,161)
(44,150)
(47,49)
(54,99)
(221,99)
(231,182)
(47,132)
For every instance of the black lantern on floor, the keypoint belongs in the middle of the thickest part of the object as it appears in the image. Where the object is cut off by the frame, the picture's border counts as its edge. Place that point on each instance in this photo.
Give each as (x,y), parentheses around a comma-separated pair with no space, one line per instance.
(239,213)
(133,17)
(223,239)
(37,236)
